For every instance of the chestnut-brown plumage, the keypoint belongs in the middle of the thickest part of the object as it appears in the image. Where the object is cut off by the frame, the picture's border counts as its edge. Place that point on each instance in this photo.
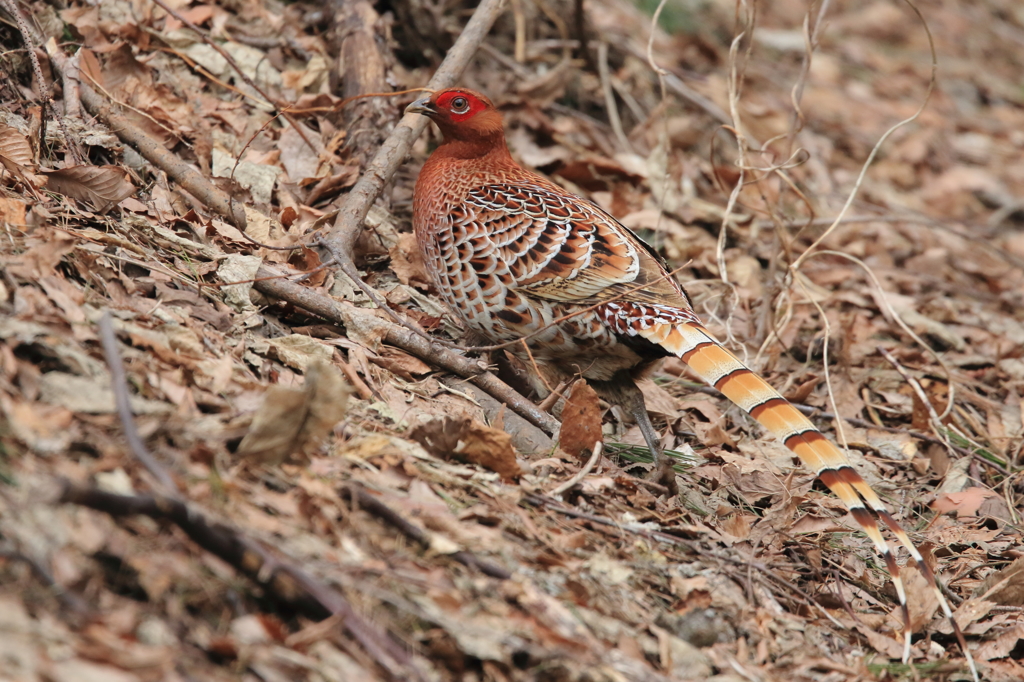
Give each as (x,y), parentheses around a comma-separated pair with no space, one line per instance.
(510,252)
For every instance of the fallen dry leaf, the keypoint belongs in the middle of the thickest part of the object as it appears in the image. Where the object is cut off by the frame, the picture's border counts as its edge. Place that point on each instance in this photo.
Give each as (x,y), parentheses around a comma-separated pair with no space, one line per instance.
(15,147)
(43,257)
(964,503)
(407,262)
(467,440)
(294,422)
(1004,587)
(402,364)
(101,186)
(581,420)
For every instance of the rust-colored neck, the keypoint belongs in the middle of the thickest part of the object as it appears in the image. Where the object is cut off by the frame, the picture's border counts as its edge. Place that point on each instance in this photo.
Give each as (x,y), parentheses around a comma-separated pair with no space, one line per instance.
(492,148)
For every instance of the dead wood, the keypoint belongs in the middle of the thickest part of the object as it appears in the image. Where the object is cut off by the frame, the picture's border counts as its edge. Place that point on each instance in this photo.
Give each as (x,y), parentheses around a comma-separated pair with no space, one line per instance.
(285,582)
(365,500)
(154,151)
(119,383)
(363,66)
(272,283)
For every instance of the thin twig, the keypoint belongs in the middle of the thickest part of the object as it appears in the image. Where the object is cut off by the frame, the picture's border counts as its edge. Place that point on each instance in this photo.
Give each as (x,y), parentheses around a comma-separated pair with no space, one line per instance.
(282,579)
(368,502)
(609,98)
(595,456)
(71,602)
(520,22)
(810,44)
(119,383)
(553,397)
(364,391)
(32,39)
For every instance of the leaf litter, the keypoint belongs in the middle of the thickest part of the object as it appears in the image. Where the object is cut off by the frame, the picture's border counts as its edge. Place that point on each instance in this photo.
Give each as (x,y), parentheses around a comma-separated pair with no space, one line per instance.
(755,576)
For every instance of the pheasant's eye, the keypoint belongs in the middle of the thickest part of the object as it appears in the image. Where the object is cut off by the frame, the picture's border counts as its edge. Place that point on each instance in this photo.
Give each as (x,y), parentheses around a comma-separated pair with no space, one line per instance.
(460,105)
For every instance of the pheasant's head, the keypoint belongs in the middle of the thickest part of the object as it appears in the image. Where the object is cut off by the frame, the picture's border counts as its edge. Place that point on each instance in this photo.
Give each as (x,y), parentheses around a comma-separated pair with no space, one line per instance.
(463,115)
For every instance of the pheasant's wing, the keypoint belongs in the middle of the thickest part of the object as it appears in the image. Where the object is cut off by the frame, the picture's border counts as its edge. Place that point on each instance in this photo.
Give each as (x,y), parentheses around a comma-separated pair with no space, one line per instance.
(562,248)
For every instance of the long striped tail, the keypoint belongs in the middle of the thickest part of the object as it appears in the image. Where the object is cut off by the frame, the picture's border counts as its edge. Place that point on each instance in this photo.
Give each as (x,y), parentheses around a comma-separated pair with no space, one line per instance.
(720,368)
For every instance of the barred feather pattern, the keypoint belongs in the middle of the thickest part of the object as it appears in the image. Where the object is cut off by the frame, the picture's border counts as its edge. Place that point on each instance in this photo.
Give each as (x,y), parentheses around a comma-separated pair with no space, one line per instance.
(515,255)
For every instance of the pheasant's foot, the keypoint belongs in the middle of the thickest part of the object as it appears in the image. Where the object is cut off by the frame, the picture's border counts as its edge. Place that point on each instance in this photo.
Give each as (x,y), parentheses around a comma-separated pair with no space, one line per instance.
(664,473)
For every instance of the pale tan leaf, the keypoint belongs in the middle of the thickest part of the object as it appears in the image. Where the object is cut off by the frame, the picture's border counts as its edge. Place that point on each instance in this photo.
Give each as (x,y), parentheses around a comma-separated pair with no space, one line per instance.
(964,503)
(292,421)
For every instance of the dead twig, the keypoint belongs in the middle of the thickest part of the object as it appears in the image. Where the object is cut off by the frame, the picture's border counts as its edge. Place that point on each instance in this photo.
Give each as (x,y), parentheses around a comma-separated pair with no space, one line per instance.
(609,98)
(71,602)
(119,383)
(553,397)
(154,151)
(363,499)
(361,387)
(32,40)
(329,308)
(286,582)
(595,456)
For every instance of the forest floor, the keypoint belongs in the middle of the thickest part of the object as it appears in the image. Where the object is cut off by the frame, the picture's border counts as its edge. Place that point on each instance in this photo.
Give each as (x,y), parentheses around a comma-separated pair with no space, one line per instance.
(300,510)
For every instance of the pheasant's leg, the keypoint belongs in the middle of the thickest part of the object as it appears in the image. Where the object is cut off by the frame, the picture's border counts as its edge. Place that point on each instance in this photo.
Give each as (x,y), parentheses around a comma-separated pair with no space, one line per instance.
(633,400)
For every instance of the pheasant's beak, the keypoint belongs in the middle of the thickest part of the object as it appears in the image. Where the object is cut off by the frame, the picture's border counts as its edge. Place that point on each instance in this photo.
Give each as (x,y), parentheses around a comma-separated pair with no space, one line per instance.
(421,106)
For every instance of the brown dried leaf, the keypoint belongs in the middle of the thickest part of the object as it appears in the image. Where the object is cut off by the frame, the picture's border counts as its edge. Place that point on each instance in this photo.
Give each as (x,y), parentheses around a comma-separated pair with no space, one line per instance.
(581,420)
(295,421)
(965,503)
(469,441)
(800,392)
(15,147)
(90,69)
(46,429)
(885,644)
(402,364)
(42,258)
(1001,647)
(407,262)
(307,260)
(13,211)
(737,526)
(753,483)
(1006,586)
(658,400)
(101,186)
(921,600)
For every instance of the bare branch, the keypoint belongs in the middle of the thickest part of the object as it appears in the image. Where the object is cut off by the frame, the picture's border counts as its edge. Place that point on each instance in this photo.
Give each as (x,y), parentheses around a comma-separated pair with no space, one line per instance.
(119,383)
(285,581)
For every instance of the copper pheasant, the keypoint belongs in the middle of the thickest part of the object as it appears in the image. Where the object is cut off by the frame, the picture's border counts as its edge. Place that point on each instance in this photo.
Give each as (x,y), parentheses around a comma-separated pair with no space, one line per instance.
(515,255)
